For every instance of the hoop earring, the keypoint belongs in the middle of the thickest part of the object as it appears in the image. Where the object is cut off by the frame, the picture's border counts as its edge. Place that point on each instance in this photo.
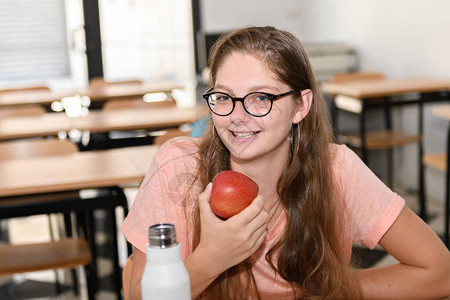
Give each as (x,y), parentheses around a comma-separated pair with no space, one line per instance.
(295,139)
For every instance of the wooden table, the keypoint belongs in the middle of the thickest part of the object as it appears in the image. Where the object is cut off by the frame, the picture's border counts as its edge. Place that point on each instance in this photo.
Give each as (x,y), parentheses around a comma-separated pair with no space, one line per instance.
(97,94)
(82,170)
(72,173)
(360,95)
(51,124)
(386,87)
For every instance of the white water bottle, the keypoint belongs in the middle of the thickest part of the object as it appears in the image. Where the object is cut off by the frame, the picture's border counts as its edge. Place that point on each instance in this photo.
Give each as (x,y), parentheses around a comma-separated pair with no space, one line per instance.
(165,276)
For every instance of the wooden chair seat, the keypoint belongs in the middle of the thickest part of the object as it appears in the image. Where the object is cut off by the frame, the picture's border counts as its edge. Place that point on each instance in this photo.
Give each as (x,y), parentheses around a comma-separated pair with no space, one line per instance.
(22,110)
(126,103)
(436,160)
(381,139)
(356,76)
(27,88)
(168,134)
(66,254)
(99,82)
(126,138)
(36,148)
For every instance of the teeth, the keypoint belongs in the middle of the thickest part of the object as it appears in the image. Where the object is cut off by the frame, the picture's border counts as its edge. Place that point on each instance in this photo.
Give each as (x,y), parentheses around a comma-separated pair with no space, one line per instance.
(244,135)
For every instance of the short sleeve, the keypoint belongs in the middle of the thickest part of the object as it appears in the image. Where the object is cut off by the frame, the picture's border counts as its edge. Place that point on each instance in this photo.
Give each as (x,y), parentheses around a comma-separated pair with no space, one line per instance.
(371,206)
(166,195)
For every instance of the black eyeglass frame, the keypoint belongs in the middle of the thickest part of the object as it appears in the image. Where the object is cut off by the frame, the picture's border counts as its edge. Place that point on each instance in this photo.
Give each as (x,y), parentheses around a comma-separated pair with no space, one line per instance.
(271,97)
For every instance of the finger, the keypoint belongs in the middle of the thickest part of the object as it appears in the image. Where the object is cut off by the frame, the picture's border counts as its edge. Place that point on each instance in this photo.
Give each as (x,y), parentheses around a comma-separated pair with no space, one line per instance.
(251,211)
(203,202)
(260,239)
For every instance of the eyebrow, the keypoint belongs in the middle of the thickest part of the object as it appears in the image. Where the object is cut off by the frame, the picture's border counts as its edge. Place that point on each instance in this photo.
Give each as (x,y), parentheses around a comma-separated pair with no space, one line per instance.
(251,90)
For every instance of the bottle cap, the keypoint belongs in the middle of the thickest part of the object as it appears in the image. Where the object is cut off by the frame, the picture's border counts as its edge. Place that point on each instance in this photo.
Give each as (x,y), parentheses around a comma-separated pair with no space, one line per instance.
(162,236)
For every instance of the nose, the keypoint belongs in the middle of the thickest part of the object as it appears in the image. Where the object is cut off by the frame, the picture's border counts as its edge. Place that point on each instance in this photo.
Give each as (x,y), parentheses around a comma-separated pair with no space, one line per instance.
(239,115)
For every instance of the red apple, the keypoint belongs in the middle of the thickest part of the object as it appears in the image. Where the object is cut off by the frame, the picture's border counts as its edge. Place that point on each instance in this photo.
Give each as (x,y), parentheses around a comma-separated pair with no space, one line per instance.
(231,193)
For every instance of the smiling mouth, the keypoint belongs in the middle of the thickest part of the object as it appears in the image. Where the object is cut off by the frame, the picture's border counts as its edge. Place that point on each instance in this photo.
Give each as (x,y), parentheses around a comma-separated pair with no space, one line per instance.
(244,135)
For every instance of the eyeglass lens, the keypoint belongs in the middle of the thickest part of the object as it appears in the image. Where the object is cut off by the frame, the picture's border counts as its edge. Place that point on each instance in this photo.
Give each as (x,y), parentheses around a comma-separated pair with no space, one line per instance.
(257,104)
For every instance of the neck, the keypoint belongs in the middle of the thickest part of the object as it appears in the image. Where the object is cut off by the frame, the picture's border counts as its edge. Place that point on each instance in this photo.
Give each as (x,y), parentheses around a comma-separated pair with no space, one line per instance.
(265,171)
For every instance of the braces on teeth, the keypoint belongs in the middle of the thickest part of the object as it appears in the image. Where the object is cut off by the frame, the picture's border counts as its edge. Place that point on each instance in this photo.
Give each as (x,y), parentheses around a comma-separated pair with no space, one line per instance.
(243,135)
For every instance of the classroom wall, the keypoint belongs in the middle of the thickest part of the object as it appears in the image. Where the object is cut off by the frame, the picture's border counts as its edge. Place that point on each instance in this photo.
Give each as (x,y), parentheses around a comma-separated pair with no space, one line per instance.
(399,38)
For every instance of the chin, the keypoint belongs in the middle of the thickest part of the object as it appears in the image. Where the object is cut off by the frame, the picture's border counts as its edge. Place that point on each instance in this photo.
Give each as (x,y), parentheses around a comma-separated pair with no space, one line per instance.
(241,152)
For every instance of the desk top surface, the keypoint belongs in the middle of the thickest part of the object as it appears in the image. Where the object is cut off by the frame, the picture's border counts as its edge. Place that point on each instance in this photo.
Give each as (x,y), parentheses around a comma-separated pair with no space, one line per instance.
(82,170)
(46,97)
(386,87)
(98,121)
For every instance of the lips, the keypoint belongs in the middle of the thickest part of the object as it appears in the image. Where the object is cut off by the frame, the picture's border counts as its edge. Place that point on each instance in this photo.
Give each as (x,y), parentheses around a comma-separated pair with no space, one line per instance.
(244,135)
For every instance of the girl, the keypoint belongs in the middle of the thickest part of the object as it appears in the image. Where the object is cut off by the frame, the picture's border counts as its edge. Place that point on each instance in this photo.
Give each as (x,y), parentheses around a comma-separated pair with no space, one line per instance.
(315,197)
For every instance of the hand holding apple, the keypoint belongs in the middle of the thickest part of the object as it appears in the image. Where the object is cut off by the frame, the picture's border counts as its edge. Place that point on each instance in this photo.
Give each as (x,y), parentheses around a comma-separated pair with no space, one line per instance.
(231,193)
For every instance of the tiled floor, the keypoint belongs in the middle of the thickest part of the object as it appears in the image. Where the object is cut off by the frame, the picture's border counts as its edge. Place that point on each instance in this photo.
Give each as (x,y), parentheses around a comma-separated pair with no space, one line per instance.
(39,285)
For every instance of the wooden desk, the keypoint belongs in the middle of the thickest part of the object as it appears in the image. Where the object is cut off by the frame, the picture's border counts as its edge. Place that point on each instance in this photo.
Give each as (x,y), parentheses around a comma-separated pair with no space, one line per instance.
(83,170)
(386,87)
(358,96)
(98,121)
(98,94)
(71,173)
(141,156)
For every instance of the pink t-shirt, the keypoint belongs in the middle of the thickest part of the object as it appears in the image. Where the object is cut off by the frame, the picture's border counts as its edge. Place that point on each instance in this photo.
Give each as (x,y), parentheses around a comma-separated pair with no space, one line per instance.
(167,195)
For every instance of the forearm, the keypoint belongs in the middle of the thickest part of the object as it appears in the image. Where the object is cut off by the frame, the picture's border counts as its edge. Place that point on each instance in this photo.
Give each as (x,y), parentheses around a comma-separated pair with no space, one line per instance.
(202,272)
(400,281)
(135,292)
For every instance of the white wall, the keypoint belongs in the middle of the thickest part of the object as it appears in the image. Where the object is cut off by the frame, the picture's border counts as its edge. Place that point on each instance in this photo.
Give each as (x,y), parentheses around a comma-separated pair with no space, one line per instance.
(219,15)
(403,38)
(400,38)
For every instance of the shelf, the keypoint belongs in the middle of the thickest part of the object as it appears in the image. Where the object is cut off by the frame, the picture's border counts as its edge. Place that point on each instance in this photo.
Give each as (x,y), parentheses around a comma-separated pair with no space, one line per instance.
(381,140)
(436,161)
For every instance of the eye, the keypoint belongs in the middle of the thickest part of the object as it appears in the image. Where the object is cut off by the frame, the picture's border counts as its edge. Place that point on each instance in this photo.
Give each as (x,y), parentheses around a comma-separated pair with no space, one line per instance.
(261,97)
(222,97)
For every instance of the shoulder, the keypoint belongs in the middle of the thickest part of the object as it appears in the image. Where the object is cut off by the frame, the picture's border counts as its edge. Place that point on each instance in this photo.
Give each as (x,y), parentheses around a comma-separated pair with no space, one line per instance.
(343,157)
(176,148)
(349,169)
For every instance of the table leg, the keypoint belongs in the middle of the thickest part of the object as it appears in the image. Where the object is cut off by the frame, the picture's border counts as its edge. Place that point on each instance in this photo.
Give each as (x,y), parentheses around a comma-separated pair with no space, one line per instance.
(447,193)
(117,278)
(422,201)
(362,132)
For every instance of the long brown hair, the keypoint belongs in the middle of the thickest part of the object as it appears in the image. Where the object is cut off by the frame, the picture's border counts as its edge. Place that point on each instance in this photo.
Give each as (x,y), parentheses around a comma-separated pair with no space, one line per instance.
(309,254)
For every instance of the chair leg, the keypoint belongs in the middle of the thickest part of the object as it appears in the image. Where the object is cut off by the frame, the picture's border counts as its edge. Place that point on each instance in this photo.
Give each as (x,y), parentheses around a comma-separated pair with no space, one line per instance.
(125,213)
(390,168)
(117,278)
(123,202)
(57,284)
(447,194)
(52,238)
(90,280)
(69,233)
(86,224)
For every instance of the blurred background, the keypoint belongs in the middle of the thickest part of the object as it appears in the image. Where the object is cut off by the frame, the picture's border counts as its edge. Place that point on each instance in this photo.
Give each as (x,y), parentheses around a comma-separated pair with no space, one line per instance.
(64,44)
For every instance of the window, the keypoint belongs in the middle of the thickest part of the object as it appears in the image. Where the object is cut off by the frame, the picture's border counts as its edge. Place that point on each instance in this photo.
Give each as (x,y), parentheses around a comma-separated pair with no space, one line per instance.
(33,40)
(147,39)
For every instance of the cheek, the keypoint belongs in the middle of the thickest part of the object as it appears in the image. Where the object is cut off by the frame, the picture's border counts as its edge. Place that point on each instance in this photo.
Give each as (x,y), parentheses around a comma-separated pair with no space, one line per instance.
(219,121)
(284,109)
(281,116)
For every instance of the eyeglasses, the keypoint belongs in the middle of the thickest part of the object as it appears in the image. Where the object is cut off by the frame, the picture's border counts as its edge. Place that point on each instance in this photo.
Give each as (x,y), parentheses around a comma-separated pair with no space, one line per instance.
(257,104)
